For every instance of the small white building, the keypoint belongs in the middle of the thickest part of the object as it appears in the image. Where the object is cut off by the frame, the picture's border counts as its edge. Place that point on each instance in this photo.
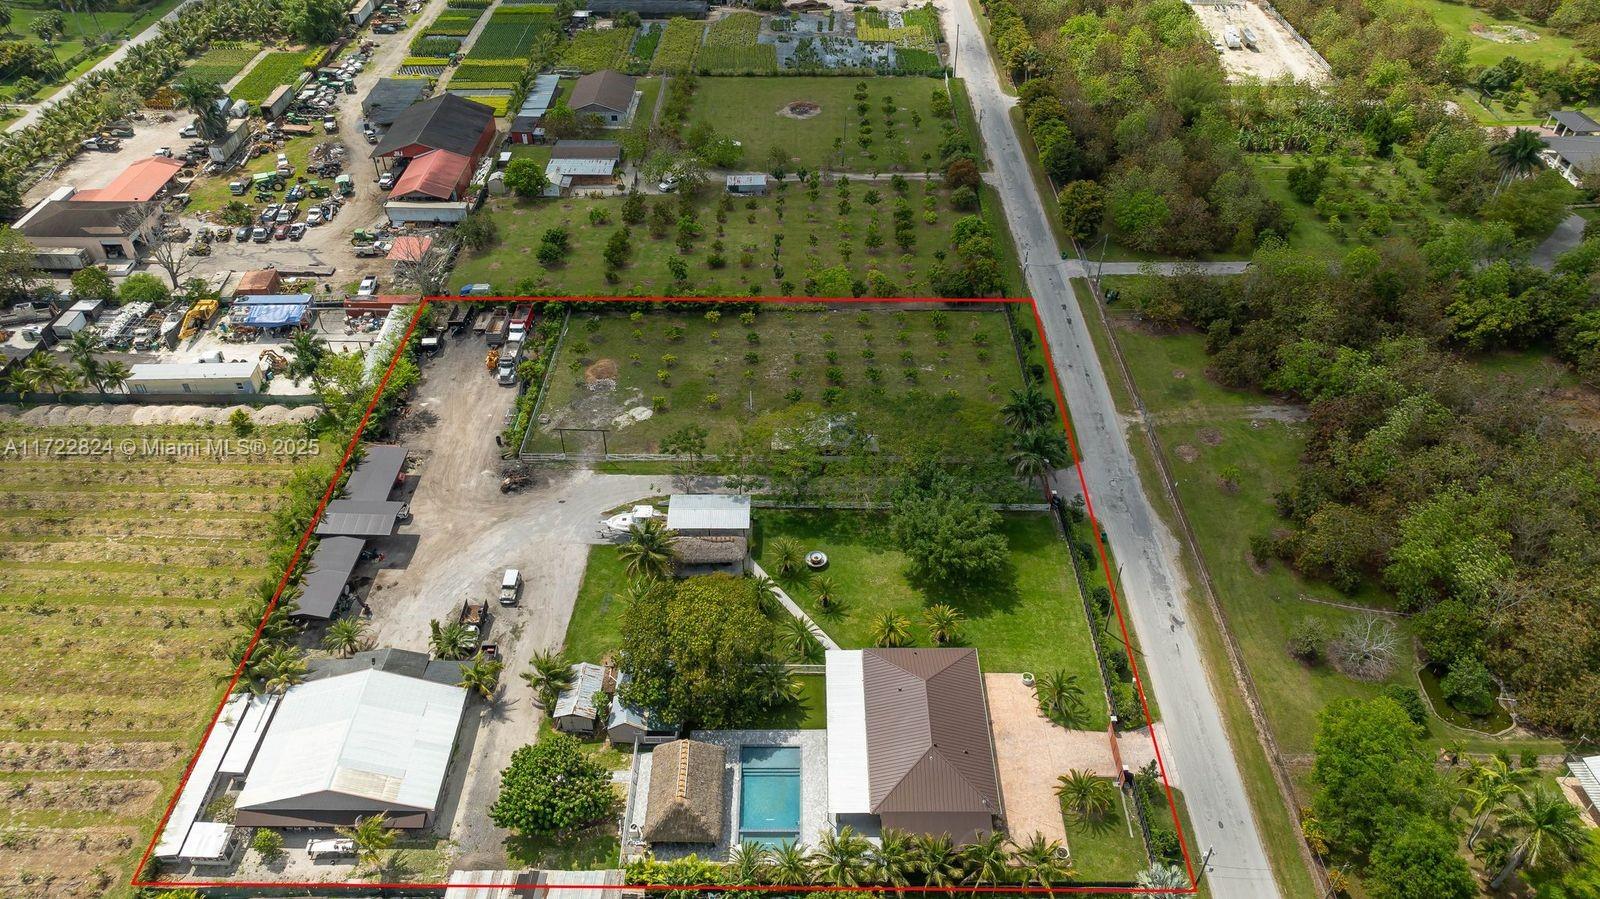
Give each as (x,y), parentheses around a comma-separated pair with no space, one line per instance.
(210,378)
(747,184)
(709,515)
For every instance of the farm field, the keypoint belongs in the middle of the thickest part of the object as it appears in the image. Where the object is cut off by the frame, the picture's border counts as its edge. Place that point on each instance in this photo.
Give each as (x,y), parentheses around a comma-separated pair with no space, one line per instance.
(756,111)
(813,236)
(813,355)
(510,32)
(219,64)
(592,50)
(1032,620)
(276,68)
(119,579)
(677,47)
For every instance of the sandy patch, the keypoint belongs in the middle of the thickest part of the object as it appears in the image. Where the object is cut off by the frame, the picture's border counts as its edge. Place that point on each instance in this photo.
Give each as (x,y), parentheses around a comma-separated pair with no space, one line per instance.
(1186,452)
(800,109)
(602,370)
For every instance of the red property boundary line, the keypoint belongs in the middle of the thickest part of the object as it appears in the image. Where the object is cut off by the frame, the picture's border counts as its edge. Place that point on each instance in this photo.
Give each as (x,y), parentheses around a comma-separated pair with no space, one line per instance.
(349,450)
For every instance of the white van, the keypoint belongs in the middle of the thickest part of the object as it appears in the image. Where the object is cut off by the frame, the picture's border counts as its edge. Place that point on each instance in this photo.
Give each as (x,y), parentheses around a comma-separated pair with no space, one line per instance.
(510,587)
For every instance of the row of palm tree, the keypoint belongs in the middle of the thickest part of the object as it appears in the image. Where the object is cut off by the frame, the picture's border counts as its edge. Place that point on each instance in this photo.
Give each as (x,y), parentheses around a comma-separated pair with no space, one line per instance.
(42,373)
(101,97)
(1037,446)
(901,860)
(1540,824)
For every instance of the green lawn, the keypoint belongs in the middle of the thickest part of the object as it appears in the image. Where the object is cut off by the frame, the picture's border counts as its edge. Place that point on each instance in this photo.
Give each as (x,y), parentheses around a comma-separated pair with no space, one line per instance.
(585,850)
(809,712)
(1105,851)
(751,110)
(596,625)
(1032,621)
(806,349)
(1457,19)
(1391,188)
(110,24)
(209,193)
(813,234)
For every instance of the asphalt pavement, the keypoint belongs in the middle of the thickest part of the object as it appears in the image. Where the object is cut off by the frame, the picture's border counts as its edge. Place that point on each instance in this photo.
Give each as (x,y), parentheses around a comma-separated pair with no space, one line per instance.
(1155,591)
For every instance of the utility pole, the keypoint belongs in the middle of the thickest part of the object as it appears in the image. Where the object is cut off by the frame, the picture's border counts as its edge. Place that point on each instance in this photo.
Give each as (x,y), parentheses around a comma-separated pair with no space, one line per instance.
(1204,862)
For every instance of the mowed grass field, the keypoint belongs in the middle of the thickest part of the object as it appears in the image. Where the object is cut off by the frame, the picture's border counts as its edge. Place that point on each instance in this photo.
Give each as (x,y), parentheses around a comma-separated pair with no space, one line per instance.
(1457,19)
(609,365)
(79,26)
(119,577)
(1032,619)
(752,110)
(807,235)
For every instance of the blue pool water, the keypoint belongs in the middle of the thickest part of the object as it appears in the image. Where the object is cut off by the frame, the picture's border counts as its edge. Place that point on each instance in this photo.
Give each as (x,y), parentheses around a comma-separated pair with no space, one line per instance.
(769,799)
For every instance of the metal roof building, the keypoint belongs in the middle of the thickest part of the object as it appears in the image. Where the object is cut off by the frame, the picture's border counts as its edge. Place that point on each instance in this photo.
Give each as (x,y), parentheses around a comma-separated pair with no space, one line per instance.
(709,513)
(909,741)
(350,746)
(376,473)
(330,568)
(357,518)
(574,711)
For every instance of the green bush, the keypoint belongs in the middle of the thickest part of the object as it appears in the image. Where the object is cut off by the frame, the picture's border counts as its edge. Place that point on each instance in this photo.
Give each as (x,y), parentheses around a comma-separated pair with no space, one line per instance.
(1468,687)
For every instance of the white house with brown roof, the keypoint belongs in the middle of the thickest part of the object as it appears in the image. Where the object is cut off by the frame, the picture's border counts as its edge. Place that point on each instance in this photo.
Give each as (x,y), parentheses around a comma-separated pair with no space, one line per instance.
(608,95)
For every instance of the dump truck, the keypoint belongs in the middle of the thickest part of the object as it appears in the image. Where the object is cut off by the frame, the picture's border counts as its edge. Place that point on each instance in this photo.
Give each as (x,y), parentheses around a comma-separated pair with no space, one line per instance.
(495,331)
(475,616)
(506,366)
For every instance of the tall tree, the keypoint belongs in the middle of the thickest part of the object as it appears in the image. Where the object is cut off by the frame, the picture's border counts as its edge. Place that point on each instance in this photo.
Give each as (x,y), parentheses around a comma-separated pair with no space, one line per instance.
(552,786)
(373,837)
(1518,155)
(1546,826)
(1370,771)
(200,97)
(648,553)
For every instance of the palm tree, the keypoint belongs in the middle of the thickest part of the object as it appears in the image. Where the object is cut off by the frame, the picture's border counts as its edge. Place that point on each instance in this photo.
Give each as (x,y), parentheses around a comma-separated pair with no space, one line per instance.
(1491,785)
(747,864)
(1164,878)
(939,861)
(40,374)
(481,675)
(451,641)
(791,866)
(1544,822)
(766,590)
(648,553)
(372,835)
(894,859)
(1036,453)
(1088,797)
(114,375)
(842,859)
(347,636)
(823,588)
(944,624)
(891,629)
(988,860)
(83,349)
(306,351)
(1029,409)
(774,685)
(1517,156)
(1041,861)
(1060,697)
(200,97)
(787,556)
(549,673)
(280,669)
(797,637)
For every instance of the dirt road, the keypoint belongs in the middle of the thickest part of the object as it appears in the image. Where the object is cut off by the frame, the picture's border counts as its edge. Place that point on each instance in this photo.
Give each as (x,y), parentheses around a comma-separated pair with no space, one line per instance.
(462,535)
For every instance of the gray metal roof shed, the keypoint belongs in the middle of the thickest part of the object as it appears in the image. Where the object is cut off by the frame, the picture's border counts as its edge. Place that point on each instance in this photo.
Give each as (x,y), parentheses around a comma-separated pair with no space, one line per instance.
(375,475)
(708,512)
(354,518)
(325,577)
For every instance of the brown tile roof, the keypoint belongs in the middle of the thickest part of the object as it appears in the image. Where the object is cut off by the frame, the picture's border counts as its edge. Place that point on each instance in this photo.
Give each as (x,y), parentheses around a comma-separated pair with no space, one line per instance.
(928,741)
(687,801)
(608,90)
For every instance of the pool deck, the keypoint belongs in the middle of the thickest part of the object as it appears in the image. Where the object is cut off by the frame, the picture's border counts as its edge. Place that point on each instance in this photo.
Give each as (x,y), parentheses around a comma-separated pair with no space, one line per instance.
(813,786)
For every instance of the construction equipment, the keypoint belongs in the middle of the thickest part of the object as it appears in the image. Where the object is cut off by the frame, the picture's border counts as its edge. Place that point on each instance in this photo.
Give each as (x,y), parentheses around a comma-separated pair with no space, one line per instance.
(196,316)
(491,359)
(274,360)
(515,481)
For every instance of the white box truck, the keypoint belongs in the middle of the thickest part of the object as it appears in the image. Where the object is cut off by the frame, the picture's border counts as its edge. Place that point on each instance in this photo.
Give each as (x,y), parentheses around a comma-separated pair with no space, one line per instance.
(510,587)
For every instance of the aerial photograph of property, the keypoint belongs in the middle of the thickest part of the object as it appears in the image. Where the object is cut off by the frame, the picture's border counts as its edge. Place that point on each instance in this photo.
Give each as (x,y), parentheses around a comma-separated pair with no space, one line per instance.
(667,449)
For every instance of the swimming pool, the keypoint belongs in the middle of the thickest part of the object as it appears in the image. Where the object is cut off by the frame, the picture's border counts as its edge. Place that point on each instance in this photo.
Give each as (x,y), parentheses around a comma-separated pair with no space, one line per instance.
(769,796)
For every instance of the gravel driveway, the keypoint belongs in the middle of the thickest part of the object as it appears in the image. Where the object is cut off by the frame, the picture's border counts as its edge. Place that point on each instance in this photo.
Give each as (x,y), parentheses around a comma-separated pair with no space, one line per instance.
(463,533)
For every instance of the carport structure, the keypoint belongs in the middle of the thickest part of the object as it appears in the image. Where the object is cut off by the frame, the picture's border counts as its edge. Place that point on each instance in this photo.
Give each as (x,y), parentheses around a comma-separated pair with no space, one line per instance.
(356,518)
(330,569)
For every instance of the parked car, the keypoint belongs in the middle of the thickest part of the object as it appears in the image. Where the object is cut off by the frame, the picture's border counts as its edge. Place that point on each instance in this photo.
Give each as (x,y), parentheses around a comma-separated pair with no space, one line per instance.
(241,233)
(668,184)
(189,131)
(314,215)
(164,151)
(386,181)
(270,213)
(286,213)
(260,234)
(329,124)
(280,233)
(368,286)
(297,231)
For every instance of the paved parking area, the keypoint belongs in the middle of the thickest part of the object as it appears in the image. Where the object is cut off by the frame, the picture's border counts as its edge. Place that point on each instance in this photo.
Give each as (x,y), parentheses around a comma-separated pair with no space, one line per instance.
(1031,752)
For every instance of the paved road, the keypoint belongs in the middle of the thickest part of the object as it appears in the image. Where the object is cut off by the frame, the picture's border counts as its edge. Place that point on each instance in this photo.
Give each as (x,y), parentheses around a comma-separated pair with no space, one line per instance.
(149,34)
(1200,754)
(1567,235)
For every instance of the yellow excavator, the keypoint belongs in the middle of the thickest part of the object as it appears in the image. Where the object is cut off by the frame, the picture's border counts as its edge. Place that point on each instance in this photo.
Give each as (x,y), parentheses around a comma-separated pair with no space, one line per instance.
(492,359)
(197,316)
